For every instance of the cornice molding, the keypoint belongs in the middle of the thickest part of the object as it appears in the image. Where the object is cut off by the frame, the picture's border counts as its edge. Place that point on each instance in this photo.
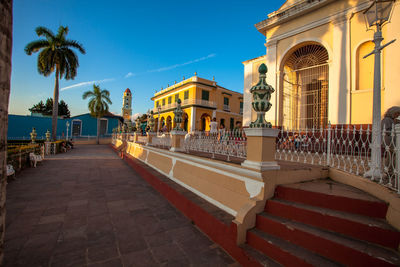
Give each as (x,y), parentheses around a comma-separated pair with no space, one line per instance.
(336,19)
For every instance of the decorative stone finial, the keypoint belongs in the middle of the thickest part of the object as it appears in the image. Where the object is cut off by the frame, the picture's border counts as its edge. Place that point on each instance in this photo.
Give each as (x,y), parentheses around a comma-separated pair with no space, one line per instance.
(175,82)
(151,122)
(48,136)
(195,73)
(213,78)
(178,116)
(183,78)
(137,122)
(33,135)
(261,99)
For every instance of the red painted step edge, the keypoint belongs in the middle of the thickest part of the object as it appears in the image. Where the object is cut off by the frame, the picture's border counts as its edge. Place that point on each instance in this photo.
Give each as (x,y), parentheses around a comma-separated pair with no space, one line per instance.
(329,249)
(358,230)
(220,233)
(357,206)
(274,252)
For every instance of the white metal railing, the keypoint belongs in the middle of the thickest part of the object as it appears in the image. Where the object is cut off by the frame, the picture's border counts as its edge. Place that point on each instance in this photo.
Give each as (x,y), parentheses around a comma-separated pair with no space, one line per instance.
(227,108)
(163,140)
(187,102)
(142,139)
(229,143)
(345,148)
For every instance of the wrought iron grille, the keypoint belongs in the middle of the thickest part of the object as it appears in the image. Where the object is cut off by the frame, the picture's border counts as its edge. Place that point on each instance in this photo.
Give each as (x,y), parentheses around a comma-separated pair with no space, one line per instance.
(305,82)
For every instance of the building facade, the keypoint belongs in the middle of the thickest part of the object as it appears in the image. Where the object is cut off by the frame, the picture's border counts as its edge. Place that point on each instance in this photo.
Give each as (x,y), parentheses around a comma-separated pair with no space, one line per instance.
(315,62)
(202,100)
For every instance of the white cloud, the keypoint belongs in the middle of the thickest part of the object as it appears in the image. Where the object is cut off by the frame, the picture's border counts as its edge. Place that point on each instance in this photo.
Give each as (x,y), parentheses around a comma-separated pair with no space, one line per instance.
(134,116)
(130,74)
(183,64)
(86,83)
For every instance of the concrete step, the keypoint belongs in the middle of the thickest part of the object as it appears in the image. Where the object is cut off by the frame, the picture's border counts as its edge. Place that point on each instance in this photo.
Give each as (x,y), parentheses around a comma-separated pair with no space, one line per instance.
(284,252)
(333,246)
(261,258)
(326,193)
(374,230)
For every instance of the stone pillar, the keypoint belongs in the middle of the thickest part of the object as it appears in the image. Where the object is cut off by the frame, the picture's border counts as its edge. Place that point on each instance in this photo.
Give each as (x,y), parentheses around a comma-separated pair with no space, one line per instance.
(261,147)
(177,140)
(150,136)
(135,137)
(261,138)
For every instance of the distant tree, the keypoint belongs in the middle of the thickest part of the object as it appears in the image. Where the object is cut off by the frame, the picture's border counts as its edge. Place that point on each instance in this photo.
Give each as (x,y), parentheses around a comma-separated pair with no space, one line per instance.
(55,55)
(63,109)
(143,118)
(47,109)
(98,104)
(38,108)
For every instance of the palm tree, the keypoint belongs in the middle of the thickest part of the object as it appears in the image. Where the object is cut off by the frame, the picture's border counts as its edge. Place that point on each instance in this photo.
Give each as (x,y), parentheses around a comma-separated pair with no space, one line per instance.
(55,54)
(98,104)
(5,77)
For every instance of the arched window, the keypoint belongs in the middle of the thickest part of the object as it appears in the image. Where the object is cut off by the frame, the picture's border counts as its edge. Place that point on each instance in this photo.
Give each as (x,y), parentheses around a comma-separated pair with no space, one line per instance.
(304,97)
(365,67)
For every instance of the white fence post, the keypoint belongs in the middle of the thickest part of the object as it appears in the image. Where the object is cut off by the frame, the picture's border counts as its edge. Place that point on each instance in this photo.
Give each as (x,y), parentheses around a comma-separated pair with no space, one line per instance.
(328,149)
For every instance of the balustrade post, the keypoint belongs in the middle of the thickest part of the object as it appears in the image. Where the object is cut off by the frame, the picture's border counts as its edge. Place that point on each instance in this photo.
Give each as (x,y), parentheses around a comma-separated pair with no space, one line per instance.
(150,136)
(328,149)
(178,134)
(261,138)
(135,137)
(397,151)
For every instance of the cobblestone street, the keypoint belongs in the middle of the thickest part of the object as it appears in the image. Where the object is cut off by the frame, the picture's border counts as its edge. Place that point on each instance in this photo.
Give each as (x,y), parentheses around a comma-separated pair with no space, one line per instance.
(87,207)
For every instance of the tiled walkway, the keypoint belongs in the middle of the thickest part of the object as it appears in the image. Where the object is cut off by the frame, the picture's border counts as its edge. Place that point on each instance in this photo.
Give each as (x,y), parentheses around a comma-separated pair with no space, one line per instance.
(87,207)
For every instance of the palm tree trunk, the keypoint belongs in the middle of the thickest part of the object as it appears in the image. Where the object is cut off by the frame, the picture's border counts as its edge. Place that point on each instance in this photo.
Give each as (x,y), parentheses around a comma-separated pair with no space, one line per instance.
(55,108)
(98,130)
(5,75)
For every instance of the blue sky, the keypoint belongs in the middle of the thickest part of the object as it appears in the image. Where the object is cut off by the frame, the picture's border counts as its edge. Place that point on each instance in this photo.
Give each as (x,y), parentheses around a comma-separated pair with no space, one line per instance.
(141,45)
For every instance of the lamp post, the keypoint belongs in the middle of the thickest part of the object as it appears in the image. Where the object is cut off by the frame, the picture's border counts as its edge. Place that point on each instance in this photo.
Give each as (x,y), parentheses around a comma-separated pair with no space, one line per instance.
(67,124)
(159,119)
(377,15)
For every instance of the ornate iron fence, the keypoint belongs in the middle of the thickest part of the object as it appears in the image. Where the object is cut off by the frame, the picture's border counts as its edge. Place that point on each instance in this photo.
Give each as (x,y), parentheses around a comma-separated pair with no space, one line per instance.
(228,143)
(163,140)
(346,148)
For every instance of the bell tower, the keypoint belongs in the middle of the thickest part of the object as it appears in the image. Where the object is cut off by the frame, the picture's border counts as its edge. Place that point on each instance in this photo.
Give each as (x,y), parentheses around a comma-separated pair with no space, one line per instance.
(127,105)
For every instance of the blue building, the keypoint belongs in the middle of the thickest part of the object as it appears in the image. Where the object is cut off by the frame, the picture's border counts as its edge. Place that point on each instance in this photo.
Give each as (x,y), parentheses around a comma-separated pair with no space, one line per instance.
(20,126)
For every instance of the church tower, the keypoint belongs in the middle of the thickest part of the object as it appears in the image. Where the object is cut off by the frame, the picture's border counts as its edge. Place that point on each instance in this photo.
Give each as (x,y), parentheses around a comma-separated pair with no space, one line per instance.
(127,105)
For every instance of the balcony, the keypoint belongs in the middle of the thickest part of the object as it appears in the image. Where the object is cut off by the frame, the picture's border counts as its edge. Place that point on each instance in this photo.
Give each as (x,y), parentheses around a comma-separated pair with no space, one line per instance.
(241,111)
(187,102)
(227,108)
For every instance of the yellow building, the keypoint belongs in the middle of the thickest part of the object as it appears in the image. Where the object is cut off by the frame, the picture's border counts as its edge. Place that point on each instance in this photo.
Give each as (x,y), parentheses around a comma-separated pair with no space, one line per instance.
(202,100)
(315,63)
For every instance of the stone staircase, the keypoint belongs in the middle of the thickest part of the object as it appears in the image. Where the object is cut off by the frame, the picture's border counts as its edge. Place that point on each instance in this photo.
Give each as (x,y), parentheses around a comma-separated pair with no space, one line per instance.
(323,223)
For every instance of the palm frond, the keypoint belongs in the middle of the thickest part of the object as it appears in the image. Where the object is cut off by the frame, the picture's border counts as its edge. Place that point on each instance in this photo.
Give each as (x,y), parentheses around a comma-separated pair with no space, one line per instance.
(62,31)
(74,44)
(87,94)
(43,31)
(35,46)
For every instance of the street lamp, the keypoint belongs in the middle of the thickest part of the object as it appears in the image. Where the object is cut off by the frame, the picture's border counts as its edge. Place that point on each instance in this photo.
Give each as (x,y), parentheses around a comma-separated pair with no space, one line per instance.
(159,119)
(377,15)
(67,124)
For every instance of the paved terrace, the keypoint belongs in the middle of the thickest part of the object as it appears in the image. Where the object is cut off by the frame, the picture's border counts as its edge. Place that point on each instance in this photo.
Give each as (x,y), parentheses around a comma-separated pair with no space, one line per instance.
(87,207)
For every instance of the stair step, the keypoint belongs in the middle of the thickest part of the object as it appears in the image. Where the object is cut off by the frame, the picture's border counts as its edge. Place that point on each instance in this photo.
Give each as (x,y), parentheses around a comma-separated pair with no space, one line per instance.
(332,195)
(370,229)
(259,257)
(341,249)
(284,252)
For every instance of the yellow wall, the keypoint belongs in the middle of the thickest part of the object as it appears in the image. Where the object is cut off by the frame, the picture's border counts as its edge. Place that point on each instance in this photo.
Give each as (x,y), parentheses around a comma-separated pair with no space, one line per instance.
(195,86)
(341,19)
